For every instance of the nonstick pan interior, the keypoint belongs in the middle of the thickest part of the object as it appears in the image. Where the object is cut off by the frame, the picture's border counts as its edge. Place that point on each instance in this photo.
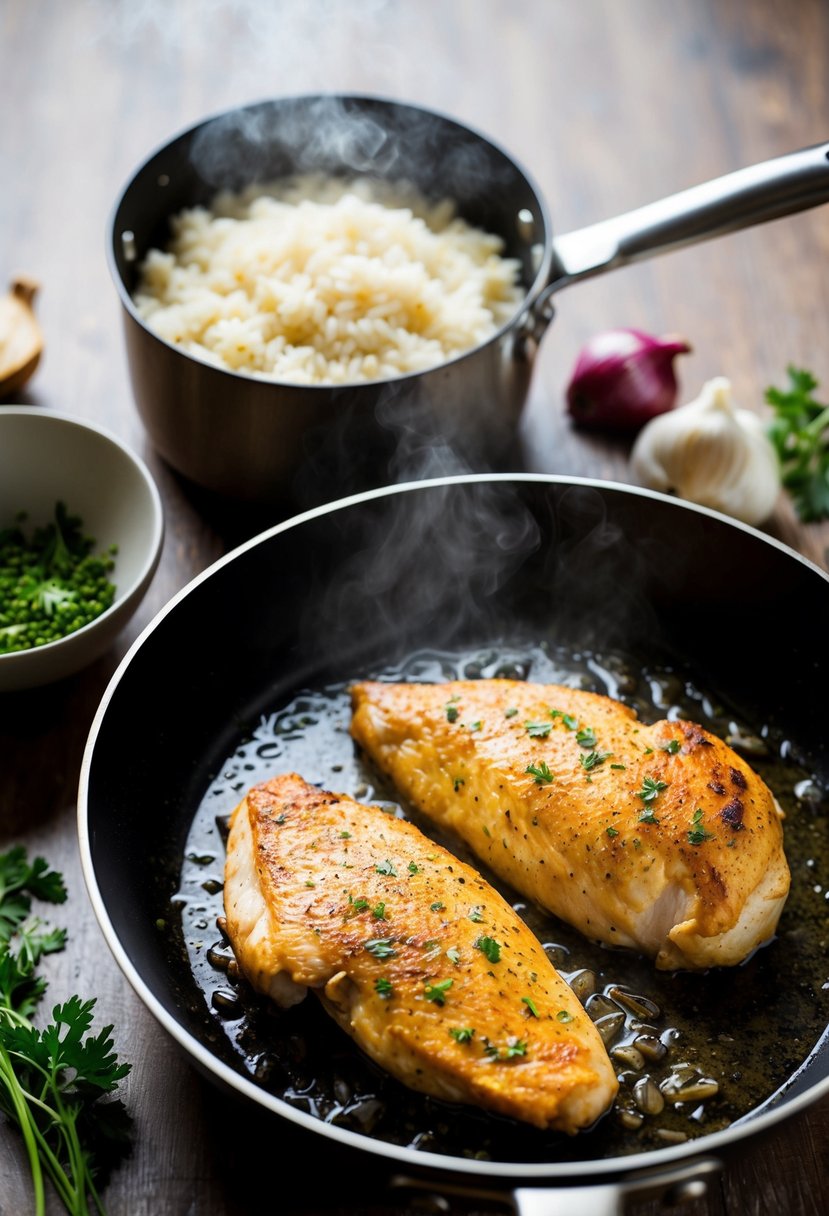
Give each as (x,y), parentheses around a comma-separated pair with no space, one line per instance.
(360,584)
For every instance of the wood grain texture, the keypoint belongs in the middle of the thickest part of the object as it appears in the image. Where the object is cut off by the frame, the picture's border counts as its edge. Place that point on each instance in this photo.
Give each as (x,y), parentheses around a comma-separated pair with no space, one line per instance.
(610,105)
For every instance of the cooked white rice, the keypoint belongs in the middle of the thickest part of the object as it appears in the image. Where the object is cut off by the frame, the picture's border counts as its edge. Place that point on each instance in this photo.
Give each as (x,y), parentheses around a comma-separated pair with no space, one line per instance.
(319,281)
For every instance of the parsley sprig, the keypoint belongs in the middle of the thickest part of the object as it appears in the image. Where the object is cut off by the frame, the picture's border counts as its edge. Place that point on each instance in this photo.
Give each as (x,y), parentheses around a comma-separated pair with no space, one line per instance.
(800,434)
(52,1080)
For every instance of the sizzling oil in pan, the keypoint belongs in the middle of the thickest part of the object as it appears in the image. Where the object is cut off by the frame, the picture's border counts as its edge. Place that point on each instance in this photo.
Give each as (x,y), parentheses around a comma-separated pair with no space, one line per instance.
(694,1052)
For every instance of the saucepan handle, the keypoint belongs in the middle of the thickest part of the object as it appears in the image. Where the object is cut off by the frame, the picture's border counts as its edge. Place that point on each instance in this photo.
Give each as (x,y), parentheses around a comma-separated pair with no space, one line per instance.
(765,191)
(672,1187)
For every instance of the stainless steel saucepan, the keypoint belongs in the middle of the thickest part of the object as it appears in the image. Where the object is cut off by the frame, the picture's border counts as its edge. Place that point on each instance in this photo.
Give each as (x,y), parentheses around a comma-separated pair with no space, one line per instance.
(267,441)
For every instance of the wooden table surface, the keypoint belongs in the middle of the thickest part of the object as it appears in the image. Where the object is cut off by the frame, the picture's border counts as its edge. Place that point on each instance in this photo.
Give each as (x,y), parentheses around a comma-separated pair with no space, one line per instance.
(611,104)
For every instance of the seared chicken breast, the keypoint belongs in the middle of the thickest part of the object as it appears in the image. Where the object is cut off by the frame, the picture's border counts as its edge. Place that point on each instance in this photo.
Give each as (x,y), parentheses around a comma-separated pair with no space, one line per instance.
(654,837)
(412,952)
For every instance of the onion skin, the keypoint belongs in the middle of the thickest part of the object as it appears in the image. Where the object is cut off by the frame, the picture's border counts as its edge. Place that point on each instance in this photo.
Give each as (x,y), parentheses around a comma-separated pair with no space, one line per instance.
(622,379)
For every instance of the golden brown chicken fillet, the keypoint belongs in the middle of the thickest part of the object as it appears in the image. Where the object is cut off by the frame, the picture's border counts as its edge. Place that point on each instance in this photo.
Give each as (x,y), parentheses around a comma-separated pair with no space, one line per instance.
(412,953)
(655,837)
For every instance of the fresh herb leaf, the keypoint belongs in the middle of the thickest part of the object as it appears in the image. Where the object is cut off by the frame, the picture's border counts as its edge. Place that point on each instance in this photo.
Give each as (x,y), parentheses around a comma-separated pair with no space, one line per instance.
(381,947)
(437,992)
(379,912)
(454,955)
(413,867)
(383,987)
(462,1034)
(564,1015)
(511,712)
(569,721)
(538,730)
(671,747)
(697,834)
(612,831)
(51,1079)
(514,1047)
(591,760)
(475,914)
(541,772)
(451,713)
(437,906)
(586,737)
(490,948)
(647,816)
(386,867)
(799,432)
(530,1003)
(651,789)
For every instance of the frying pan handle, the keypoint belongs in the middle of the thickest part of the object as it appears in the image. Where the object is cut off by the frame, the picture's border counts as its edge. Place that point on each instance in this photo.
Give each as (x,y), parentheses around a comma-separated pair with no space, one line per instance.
(673,1187)
(766,191)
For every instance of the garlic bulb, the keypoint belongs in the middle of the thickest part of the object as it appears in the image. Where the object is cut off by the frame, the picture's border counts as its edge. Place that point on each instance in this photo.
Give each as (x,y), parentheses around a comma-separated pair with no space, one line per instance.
(713,453)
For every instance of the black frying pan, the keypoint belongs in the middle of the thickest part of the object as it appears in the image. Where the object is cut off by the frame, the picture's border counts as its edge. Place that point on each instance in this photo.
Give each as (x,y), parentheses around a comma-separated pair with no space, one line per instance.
(355,586)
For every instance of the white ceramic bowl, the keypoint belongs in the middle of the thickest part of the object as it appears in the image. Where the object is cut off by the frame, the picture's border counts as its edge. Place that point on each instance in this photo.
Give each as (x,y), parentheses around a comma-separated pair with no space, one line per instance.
(48,457)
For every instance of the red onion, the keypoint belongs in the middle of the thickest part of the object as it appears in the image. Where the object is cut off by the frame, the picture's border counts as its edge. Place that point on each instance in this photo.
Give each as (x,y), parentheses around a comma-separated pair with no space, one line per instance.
(623,378)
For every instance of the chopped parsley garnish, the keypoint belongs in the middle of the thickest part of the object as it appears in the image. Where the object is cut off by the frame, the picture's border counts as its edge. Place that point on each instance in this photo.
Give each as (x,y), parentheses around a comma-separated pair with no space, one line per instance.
(671,747)
(454,955)
(386,867)
(383,987)
(591,760)
(379,912)
(413,867)
(612,831)
(462,1034)
(451,713)
(458,782)
(474,725)
(511,712)
(697,833)
(437,906)
(569,721)
(541,772)
(381,947)
(622,766)
(358,905)
(437,992)
(309,882)
(514,1047)
(651,789)
(475,914)
(530,1003)
(586,737)
(647,816)
(490,948)
(280,819)
(538,730)
(345,835)
(564,1015)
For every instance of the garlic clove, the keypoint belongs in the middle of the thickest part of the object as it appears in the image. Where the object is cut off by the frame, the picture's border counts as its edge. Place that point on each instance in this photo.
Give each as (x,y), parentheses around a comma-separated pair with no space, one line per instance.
(713,453)
(21,340)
